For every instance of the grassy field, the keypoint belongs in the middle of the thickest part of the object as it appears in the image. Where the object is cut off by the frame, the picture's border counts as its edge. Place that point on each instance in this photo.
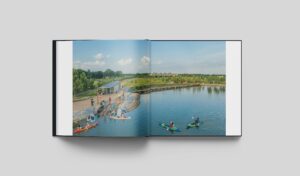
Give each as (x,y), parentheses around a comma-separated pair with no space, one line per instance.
(141,82)
(161,81)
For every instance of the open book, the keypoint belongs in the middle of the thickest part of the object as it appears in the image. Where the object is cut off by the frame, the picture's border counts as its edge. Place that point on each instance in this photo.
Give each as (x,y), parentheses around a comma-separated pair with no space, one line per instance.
(133,88)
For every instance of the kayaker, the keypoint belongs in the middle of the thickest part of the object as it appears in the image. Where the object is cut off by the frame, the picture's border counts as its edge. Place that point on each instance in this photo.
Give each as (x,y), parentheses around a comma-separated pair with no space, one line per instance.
(197,120)
(171,124)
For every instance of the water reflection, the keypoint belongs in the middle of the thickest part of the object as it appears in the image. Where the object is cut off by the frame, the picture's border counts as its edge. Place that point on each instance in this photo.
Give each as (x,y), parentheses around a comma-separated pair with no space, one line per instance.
(210,89)
(215,89)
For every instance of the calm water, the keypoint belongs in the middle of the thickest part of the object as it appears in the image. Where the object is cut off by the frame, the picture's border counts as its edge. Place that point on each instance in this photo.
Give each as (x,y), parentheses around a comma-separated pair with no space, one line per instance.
(182,104)
(177,105)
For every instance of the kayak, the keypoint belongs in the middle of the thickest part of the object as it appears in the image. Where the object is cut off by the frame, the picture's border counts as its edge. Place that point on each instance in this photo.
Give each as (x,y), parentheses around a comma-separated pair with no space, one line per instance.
(79,130)
(167,127)
(193,125)
(83,129)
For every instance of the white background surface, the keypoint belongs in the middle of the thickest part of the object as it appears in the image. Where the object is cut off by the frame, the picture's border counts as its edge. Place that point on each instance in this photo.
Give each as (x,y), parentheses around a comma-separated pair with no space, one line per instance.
(270,34)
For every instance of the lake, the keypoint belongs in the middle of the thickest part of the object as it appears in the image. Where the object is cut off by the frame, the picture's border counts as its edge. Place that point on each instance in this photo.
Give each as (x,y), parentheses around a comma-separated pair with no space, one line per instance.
(179,106)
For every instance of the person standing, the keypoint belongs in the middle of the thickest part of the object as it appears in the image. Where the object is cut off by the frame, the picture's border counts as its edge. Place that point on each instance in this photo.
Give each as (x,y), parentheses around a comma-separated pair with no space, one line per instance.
(97,96)
(92,101)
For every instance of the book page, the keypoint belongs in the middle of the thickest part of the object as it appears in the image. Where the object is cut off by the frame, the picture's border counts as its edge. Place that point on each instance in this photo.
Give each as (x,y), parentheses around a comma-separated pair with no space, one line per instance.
(107,82)
(189,88)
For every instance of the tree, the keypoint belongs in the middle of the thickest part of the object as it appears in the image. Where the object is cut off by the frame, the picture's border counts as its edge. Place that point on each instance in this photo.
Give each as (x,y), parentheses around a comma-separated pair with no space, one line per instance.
(108,73)
(118,73)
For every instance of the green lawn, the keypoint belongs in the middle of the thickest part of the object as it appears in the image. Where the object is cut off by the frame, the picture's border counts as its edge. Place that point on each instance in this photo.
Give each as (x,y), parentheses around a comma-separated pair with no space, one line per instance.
(160,81)
(147,81)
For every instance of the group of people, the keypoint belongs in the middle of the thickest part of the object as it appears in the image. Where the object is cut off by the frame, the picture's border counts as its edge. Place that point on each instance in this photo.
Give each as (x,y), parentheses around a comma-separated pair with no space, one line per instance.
(196,121)
(93,102)
(98,96)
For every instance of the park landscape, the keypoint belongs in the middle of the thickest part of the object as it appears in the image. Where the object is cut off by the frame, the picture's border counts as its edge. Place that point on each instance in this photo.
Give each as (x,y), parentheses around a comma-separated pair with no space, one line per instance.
(109,102)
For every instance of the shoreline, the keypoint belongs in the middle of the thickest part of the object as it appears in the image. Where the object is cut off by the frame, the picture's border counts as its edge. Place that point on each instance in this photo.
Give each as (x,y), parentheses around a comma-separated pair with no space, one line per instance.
(129,103)
(84,103)
(162,88)
(155,89)
(135,98)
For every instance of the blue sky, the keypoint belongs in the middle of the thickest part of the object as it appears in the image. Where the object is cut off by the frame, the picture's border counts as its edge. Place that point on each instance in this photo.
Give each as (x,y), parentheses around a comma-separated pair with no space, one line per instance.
(128,56)
(131,56)
(206,57)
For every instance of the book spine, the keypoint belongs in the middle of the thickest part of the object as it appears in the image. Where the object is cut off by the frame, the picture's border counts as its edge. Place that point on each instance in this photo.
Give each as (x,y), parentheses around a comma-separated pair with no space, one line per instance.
(54,88)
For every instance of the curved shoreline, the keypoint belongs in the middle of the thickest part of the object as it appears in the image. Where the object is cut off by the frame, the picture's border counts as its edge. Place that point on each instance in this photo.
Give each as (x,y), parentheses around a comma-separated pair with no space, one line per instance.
(135,97)
(135,102)
(156,89)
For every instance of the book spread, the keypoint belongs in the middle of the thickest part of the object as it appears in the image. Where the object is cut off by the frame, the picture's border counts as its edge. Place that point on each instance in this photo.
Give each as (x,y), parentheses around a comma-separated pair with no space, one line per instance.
(135,88)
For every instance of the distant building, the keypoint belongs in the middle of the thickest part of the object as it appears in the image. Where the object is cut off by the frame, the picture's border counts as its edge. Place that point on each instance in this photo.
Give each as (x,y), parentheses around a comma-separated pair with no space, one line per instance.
(110,88)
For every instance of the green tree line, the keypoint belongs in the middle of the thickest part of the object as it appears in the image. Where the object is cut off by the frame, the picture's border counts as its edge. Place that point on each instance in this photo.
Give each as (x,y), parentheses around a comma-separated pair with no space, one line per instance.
(84,80)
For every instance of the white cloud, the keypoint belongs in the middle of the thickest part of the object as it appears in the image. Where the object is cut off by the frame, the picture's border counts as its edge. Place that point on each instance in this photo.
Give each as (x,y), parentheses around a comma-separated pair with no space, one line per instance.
(125,61)
(145,60)
(89,65)
(99,56)
(98,61)
(94,63)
